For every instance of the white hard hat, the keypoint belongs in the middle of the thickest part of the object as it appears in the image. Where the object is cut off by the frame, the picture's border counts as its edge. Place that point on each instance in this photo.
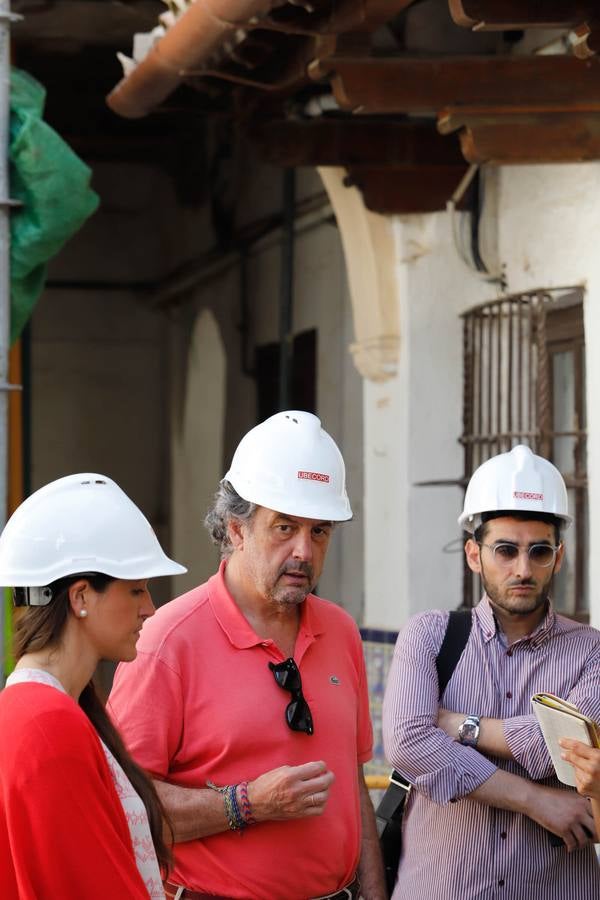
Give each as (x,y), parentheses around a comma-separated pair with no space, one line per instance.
(289,464)
(80,523)
(518,481)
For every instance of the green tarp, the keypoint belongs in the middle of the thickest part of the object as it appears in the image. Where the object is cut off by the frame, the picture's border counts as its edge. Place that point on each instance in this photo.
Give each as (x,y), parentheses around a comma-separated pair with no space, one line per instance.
(53,185)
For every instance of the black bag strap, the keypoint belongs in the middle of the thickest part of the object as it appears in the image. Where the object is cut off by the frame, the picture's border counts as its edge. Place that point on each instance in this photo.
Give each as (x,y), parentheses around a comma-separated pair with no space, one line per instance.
(388,815)
(455,641)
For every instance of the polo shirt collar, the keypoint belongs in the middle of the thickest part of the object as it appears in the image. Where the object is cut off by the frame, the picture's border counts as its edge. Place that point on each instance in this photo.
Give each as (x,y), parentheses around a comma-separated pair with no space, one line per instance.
(310,626)
(236,626)
(489,627)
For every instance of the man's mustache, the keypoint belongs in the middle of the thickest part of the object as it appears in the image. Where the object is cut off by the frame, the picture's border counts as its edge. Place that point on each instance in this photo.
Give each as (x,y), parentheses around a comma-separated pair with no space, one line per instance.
(302,566)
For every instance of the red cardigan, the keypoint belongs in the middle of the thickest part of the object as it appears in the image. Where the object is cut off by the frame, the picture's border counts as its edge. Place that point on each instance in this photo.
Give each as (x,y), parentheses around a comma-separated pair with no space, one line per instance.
(63,832)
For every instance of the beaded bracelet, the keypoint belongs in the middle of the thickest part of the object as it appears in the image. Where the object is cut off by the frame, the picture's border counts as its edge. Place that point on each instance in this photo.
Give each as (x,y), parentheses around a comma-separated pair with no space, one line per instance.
(246,805)
(235,820)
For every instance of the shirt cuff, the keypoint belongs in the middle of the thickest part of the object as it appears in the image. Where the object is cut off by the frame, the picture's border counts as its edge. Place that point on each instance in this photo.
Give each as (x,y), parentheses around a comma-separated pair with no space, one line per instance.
(453,783)
(527,746)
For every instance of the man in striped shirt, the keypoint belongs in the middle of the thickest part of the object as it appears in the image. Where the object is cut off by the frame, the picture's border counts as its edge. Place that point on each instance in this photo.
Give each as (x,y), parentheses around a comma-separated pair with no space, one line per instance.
(487,817)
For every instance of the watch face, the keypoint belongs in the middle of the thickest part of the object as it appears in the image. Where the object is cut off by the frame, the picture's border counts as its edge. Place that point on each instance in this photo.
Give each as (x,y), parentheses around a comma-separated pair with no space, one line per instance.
(468,733)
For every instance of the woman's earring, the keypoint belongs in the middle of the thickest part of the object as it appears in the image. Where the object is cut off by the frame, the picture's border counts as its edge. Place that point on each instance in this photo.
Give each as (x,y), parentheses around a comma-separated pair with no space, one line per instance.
(82,613)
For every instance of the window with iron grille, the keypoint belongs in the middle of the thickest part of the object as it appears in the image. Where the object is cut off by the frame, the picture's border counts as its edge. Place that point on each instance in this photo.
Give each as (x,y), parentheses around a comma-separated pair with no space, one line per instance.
(524,383)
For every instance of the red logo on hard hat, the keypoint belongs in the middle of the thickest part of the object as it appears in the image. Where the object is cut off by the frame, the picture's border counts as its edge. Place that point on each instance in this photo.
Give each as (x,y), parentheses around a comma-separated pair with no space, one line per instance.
(314,476)
(527,495)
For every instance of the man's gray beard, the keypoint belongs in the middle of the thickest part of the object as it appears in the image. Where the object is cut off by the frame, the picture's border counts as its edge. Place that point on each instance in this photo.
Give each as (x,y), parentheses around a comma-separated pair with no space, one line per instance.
(291,596)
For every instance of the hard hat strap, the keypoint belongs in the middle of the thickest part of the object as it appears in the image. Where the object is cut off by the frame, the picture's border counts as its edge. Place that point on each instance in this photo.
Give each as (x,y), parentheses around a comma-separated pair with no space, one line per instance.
(32,596)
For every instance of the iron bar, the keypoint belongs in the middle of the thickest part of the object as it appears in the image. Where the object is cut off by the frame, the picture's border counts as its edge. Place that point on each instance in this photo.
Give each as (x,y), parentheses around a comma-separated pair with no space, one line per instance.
(509,379)
(286,295)
(479,321)
(490,370)
(499,377)
(507,397)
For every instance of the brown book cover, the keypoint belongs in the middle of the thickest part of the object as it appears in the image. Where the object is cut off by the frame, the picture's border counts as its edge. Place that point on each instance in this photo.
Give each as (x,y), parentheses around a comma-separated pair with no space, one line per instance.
(557,719)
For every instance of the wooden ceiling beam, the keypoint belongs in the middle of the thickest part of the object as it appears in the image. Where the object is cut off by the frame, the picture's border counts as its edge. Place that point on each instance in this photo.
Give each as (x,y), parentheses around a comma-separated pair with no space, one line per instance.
(355,141)
(400,167)
(405,191)
(533,138)
(517,83)
(505,15)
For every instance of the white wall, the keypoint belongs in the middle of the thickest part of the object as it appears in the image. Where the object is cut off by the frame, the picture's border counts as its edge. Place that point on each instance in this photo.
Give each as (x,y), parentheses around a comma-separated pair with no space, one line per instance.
(197,444)
(321,302)
(99,369)
(543,224)
(412,425)
(548,236)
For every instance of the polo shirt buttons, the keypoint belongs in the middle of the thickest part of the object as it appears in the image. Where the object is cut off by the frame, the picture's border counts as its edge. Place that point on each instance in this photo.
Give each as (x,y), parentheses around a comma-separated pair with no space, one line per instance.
(503,835)
(509,695)
(501,882)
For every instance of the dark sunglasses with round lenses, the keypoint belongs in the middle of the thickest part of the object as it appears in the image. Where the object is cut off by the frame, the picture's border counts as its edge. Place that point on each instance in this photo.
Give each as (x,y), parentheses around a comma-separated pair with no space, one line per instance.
(297,713)
(505,553)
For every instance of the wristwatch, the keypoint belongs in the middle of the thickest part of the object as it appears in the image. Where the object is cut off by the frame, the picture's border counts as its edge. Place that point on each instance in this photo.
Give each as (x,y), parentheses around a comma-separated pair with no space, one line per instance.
(468,731)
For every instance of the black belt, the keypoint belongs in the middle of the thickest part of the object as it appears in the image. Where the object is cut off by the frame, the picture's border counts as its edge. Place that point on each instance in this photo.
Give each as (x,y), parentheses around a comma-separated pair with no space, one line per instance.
(350,892)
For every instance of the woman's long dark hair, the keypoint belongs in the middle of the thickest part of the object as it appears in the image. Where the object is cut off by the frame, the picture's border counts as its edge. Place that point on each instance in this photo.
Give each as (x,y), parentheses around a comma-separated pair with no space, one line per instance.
(41,628)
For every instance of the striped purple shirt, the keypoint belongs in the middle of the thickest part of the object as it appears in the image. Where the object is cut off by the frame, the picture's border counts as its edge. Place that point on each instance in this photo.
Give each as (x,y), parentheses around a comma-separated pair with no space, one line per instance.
(455,848)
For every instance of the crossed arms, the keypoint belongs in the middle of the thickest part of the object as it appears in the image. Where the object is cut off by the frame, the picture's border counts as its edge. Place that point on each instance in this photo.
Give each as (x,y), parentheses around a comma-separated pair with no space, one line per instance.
(420,741)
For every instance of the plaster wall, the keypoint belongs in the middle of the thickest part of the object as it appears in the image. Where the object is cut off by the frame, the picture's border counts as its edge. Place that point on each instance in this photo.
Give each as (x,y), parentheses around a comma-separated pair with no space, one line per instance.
(541,225)
(412,424)
(320,301)
(197,449)
(99,368)
(211,404)
(548,227)
(149,387)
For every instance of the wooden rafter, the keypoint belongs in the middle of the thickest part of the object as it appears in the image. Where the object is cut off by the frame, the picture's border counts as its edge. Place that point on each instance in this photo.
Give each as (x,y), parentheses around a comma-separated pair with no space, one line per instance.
(355,141)
(527,138)
(399,166)
(503,15)
(416,189)
(516,83)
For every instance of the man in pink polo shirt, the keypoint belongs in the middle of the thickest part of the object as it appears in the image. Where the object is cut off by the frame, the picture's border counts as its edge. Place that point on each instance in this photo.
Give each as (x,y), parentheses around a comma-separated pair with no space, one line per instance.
(248,699)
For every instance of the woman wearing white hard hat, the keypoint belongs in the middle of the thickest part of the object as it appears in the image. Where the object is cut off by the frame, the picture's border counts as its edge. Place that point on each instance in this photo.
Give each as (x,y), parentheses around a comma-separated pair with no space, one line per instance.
(78,818)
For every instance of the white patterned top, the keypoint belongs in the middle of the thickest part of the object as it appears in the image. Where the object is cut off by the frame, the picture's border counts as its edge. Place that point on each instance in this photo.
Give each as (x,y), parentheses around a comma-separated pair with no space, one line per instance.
(134,809)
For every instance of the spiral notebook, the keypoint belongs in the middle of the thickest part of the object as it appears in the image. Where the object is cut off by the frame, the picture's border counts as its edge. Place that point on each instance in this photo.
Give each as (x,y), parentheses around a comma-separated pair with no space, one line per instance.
(559,719)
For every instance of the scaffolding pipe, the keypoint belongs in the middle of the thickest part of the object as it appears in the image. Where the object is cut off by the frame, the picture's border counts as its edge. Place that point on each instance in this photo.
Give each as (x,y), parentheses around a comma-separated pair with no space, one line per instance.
(5,19)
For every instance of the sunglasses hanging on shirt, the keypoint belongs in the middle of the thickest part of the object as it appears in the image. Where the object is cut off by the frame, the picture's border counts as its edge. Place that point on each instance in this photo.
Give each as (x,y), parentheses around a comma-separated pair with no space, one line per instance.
(297,713)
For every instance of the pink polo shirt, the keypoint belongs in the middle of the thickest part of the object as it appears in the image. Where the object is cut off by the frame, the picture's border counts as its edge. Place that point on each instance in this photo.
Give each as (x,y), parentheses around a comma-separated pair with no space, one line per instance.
(200,703)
